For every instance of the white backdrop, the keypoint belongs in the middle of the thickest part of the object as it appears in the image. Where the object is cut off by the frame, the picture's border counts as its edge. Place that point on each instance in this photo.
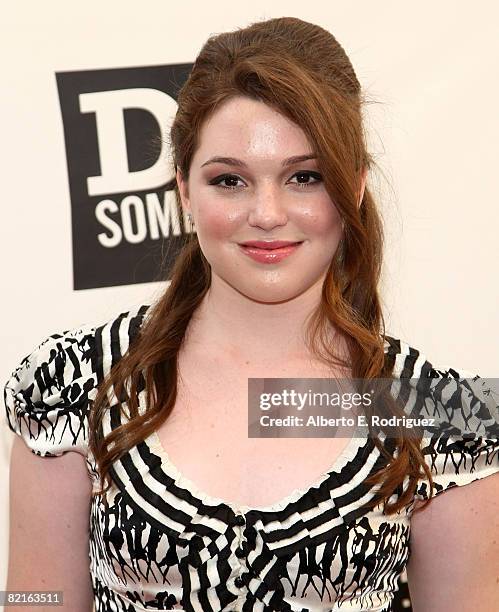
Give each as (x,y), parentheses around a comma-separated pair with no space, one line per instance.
(431,67)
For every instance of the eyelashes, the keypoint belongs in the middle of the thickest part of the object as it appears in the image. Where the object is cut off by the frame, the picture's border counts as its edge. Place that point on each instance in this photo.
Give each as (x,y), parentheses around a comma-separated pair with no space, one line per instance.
(225,177)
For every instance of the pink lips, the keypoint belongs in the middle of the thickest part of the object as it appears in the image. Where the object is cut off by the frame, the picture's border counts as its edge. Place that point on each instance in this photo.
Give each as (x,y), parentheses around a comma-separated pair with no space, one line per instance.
(269,252)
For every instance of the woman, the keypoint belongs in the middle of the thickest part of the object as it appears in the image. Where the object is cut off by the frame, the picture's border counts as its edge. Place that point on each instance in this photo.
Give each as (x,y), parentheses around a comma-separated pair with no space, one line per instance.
(268,146)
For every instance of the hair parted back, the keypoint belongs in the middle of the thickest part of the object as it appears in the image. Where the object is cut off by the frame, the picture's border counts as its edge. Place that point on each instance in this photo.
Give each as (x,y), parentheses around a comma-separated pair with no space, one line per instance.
(300,70)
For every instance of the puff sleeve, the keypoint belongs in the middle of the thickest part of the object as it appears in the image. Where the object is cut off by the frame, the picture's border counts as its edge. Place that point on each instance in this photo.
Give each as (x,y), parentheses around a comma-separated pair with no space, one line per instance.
(465,446)
(46,396)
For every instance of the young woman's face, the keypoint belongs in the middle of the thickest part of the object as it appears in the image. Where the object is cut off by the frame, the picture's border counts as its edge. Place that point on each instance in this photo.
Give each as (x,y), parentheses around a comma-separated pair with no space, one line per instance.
(259,194)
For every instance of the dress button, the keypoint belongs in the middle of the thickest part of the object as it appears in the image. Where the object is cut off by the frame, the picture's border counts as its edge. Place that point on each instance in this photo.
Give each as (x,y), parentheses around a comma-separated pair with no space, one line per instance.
(240,552)
(239,582)
(239,520)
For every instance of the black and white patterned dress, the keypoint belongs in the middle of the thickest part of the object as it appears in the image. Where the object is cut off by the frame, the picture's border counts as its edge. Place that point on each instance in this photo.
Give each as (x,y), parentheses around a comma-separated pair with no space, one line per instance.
(162,544)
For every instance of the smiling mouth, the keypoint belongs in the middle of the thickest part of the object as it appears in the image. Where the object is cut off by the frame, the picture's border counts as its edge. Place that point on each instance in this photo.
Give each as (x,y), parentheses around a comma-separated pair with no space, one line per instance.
(270,246)
(270,255)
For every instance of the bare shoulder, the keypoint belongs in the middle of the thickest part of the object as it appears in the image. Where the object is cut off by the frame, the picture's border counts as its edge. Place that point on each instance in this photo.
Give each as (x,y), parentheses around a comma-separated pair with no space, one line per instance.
(455,549)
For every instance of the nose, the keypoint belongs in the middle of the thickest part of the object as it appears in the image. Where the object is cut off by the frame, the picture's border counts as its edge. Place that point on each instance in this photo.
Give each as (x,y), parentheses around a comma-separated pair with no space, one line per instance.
(268,208)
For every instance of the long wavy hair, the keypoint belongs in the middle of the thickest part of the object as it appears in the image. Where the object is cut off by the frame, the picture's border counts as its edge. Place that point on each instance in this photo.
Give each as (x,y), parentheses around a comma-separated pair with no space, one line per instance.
(300,70)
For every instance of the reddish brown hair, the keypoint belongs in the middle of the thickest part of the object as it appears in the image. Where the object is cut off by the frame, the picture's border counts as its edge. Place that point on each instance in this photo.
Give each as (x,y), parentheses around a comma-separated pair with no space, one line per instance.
(299,69)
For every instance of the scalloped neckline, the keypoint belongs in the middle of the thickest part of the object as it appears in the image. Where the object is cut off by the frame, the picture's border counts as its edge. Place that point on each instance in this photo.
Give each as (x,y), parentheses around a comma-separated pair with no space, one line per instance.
(344,459)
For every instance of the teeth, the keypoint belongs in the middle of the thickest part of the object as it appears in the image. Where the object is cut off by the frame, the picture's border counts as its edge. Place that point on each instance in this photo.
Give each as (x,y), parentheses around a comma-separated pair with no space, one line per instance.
(274,248)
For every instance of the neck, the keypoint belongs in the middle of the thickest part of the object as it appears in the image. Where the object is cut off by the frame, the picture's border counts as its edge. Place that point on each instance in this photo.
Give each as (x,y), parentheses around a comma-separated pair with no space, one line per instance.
(249,331)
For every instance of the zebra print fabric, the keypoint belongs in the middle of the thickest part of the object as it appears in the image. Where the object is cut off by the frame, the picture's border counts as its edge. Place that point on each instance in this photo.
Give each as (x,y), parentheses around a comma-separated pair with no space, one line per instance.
(162,544)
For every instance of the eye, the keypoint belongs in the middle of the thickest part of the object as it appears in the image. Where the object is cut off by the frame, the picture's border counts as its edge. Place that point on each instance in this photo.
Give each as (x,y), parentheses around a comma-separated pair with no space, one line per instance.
(231,180)
(225,177)
(307,174)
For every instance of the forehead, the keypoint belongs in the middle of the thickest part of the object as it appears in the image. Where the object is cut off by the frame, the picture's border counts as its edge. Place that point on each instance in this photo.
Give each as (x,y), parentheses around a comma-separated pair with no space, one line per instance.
(250,128)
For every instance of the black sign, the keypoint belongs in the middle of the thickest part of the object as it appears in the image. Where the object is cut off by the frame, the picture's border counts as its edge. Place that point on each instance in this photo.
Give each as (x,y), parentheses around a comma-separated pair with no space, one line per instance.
(123,211)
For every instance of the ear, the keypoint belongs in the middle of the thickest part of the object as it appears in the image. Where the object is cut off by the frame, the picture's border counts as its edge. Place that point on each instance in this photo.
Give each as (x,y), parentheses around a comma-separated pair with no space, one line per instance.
(183,189)
(363,180)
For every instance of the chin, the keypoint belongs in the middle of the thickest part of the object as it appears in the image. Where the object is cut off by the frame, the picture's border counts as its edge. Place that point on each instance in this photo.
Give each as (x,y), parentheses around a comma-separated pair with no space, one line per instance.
(269,295)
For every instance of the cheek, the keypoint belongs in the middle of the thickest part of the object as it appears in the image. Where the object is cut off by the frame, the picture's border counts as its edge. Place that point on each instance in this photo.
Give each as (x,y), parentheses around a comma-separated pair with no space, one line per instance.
(322,219)
(218,221)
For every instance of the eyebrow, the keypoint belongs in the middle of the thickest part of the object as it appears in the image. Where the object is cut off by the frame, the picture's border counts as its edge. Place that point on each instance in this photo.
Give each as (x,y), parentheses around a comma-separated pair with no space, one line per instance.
(233,161)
